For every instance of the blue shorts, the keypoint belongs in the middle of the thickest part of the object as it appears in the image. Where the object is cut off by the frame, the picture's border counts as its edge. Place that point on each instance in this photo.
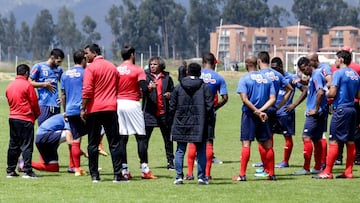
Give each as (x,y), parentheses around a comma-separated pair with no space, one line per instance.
(326,112)
(272,118)
(77,126)
(252,127)
(314,126)
(48,144)
(285,125)
(343,124)
(46,112)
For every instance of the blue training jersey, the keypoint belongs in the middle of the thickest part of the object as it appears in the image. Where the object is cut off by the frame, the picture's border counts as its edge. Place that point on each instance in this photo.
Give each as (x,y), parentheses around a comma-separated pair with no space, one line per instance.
(324,69)
(290,78)
(54,123)
(257,86)
(347,82)
(277,78)
(71,82)
(42,72)
(215,81)
(317,81)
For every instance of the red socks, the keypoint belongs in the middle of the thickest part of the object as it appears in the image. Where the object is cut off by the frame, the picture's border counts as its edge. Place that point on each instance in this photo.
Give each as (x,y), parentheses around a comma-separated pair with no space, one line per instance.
(191,158)
(288,148)
(350,158)
(244,159)
(331,157)
(75,153)
(270,161)
(324,150)
(45,167)
(209,157)
(318,154)
(308,148)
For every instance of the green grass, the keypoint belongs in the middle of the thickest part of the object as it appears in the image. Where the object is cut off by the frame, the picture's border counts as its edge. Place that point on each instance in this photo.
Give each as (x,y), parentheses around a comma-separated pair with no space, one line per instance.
(64,187)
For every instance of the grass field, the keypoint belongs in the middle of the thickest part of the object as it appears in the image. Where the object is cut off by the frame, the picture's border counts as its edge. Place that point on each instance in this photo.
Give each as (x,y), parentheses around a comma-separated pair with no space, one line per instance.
(64,187)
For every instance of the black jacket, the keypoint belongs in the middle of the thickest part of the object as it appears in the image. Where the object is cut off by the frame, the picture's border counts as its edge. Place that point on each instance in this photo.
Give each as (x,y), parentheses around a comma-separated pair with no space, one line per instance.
(192,106)
(149,102)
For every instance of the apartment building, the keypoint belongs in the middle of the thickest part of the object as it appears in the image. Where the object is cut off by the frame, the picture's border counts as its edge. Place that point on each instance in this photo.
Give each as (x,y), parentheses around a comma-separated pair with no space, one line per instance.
(340,36)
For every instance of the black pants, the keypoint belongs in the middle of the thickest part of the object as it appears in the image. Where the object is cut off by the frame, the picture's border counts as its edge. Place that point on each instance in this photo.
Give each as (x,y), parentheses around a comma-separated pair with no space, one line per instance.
(165,132)
(142,148)
(21,141)
(109,120)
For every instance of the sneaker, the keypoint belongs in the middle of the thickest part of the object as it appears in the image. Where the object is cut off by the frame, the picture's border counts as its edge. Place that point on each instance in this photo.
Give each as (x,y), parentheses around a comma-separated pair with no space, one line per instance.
(357,162)
(208,177)
(282,165)
(148,175)
(189,177)
(12,174)
(314,171)
(80,172)
(120,178)
(30,175)
(343,175)
(178,181)
(301,172)
(323,176)
(272,178)
(259,170)
(258,165)
(71,170)
(126,173)
(338,162)
(260,175)
(239,178)
(216,161)
(20,165)
(170,166)
(203,182)
(102,152)
(95,179)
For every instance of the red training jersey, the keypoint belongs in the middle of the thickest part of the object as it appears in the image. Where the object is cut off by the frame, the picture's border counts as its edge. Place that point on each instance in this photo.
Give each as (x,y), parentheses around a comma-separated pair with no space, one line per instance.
(100,85)
(130,75)
(22,100)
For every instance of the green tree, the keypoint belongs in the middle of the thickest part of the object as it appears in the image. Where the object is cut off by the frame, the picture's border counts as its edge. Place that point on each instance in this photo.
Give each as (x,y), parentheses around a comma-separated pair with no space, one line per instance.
(253,13)
(68,36)
(113,20)
(24,38)
(88,27)
(177,30)
(42,34)
(278,15)
(11,36)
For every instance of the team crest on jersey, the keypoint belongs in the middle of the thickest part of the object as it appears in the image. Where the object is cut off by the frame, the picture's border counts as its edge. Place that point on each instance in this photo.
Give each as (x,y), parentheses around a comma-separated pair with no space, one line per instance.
(207,78)
(272,76)
(123,70)
(72,73)
(258,78)
(351,75)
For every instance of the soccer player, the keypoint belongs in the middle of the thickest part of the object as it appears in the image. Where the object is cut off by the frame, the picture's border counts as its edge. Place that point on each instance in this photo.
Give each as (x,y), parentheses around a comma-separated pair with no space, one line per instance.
(192,106)
(156,105)
(71,89)
(45,77)
(132,85)
(24,109)
(257,92)
(285,123)
(315,117)
(218,87)
(344,87)
(98,108)
(325,70)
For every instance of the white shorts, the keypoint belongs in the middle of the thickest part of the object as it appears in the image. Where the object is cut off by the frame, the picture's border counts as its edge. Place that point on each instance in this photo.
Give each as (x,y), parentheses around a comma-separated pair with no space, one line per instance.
(131,117)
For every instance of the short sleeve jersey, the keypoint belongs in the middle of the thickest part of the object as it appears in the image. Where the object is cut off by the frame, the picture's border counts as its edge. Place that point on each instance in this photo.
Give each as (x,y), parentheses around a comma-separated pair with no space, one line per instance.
(277,78)
(290,78)
(257,86)
(130,75)
(316,82)
(72,82)
(42,72)
(215,81)
(324,69)
(347,82)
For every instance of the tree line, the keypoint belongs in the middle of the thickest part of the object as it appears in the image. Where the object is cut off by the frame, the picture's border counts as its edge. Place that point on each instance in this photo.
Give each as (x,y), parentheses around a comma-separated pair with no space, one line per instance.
(164,24)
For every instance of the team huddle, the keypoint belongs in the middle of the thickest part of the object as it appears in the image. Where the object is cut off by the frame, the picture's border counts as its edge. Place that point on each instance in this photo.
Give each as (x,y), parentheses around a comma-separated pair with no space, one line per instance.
(101,99)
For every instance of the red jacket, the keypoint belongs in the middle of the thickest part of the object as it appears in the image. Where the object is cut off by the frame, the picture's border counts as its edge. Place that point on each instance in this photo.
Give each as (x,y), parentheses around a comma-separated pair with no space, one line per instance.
(22,100)
(100,85)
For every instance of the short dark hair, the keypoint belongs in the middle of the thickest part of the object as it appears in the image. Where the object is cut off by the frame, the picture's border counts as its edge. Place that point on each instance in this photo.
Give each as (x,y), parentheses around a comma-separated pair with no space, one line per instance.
(194,69)
(161,62)
(22,69)
(264,57)
(94,48)
(277,61)
(126,52)
(78,56)
(303,61)
(208,58)
(57,53)
(346,55)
